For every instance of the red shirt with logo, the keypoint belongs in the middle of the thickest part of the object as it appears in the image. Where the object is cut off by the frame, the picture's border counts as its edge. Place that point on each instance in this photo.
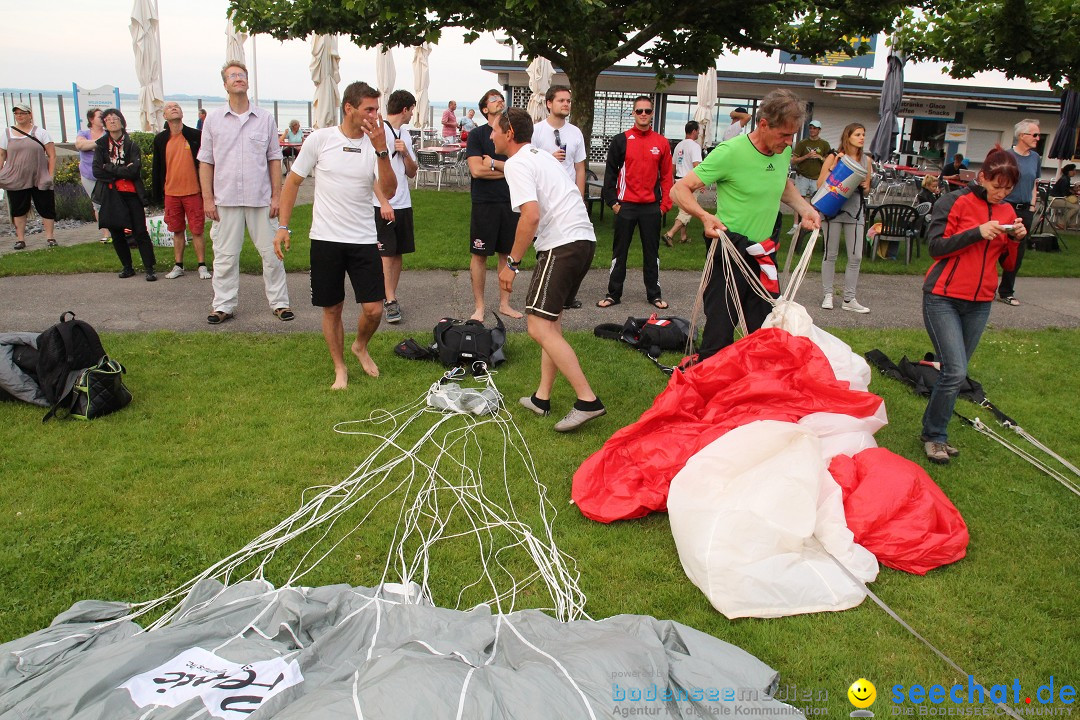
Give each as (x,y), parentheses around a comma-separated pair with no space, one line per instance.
(639,169)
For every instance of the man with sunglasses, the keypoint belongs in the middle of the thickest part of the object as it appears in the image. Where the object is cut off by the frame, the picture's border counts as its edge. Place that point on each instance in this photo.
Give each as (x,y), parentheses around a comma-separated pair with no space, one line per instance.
(558,136)
(1024,196)
(637,186)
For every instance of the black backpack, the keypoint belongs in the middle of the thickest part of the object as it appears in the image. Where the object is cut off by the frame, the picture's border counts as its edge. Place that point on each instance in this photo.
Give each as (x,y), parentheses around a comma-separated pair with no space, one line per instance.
(467,343)
(64,351)
(652,335)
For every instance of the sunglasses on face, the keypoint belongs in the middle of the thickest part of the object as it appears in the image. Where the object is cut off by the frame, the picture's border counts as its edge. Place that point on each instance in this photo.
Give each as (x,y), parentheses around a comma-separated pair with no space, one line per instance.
(643,111)
(237,76)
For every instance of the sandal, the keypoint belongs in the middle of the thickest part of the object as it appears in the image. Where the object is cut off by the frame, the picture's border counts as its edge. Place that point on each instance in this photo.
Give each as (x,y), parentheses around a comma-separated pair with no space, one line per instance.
(659,304)
(20,245)
(218,316)
(52,242)
(668,240)
(1009,300)
(284,314)
(607,302)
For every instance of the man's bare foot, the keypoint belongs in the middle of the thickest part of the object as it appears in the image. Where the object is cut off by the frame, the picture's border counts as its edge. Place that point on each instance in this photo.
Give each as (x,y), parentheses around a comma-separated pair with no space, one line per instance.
(366,362)
(510,312)
(341,379)
(478,315)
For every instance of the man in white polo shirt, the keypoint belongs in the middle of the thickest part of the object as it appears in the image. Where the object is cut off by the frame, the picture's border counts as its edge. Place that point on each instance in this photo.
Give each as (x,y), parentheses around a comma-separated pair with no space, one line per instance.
(551,212)
(350,158)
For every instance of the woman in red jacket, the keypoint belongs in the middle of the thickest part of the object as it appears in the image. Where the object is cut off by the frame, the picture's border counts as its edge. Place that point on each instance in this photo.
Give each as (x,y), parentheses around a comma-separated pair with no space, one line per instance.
(970,231)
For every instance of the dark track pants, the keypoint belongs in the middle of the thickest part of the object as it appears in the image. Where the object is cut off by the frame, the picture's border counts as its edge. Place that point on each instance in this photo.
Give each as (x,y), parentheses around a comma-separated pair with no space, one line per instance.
(648,219)
(721,315)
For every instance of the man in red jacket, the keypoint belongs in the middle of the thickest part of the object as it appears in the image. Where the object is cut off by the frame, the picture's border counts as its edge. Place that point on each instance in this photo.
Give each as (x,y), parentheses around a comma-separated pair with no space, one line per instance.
(637,184)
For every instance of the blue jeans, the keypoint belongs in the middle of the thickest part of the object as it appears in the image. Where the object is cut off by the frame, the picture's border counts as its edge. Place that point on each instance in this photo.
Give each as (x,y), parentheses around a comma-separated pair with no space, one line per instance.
(955,327)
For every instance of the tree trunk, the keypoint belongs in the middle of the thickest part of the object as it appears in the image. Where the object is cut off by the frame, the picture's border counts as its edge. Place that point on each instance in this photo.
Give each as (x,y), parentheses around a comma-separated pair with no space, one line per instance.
(582,78)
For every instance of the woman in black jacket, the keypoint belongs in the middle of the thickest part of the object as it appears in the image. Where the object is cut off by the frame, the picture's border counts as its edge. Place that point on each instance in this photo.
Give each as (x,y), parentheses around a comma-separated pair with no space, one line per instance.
(120,190)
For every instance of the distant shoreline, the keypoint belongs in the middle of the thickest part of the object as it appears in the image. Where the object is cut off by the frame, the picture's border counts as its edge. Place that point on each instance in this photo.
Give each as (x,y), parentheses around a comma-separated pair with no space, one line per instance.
(182,96)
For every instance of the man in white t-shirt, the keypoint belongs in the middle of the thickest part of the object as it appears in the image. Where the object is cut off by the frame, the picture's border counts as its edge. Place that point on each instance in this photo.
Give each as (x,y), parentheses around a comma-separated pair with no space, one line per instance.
(564,140)
(394,219)
(739,118)
(551,212)
(686,157)
(350,158)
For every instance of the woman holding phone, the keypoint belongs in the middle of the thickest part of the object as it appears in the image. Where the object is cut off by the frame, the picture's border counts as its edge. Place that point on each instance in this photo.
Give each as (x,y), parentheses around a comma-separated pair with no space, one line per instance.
(971,230)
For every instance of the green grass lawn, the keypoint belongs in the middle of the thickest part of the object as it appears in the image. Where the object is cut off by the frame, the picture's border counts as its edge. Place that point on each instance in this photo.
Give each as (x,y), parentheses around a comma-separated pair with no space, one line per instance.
(442,231)
(227,431)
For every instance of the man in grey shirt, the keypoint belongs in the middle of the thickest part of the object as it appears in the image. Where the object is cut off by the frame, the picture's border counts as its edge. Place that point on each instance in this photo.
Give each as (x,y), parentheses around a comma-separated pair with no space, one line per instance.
(1024,196)
(240,175)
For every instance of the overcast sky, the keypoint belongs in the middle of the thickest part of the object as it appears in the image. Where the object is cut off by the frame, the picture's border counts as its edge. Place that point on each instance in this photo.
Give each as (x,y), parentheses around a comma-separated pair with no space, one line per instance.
(51,43)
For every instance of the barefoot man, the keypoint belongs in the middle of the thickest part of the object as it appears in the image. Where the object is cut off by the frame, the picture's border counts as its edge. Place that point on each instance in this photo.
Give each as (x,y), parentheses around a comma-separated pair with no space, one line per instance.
(493,223)
(350,158)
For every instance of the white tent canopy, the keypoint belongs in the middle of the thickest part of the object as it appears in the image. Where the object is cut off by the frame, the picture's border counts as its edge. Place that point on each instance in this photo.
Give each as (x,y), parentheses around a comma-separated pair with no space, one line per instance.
(326,75)
(146,42)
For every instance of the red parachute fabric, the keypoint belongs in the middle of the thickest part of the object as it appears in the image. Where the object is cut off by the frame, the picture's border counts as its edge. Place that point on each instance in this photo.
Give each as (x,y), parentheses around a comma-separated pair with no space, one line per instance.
(768,375)
(898,513)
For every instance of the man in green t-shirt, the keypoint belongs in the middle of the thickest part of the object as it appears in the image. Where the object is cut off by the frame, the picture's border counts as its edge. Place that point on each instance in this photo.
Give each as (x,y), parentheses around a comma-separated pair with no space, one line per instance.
(808,157)
(750,172)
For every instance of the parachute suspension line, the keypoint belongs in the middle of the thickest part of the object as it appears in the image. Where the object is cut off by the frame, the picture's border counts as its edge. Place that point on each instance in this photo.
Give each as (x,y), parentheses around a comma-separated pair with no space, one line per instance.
(1031,439)
(895,616)
(427,493)
(732,260)
(981,427)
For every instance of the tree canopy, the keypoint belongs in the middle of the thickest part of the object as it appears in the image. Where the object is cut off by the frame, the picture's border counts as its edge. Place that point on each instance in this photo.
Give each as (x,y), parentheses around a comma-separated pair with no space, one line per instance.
(585,37)
(1034,39)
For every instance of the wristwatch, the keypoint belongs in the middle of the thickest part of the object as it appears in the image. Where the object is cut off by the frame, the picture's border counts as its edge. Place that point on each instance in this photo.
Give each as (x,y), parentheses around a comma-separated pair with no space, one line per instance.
(493,164)
(285,228)
(513,264)
(382,153)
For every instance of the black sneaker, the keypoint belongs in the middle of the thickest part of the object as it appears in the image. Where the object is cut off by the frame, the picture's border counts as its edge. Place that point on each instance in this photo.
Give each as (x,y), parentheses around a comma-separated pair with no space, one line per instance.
(392,311)
(150,276)
(127,272)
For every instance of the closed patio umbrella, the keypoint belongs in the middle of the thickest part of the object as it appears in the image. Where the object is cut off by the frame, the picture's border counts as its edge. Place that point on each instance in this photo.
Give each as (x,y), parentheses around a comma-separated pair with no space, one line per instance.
(385,75)
(234,42)
(421,80)
(1064,144)
(146,41)
(706,106)
(892,93)
(540,72)
(326,76)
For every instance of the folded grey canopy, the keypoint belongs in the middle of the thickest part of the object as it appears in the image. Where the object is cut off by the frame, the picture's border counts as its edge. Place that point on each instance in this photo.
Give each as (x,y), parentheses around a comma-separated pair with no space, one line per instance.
(253,651)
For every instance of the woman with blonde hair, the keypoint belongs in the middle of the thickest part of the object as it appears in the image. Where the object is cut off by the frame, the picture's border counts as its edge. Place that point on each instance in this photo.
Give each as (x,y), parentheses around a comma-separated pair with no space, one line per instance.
(851,220)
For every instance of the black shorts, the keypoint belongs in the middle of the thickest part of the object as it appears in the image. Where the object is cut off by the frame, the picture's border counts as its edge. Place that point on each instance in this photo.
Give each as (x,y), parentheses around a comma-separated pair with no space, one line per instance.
(44,201)
(492,229)
(330,261)
(557,277)
(395,238)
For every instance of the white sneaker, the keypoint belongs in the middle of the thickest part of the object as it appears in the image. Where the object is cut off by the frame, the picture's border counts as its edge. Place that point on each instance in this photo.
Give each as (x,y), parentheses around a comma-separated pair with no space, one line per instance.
(854,306)
(204,273)
(176,272)
(826,304)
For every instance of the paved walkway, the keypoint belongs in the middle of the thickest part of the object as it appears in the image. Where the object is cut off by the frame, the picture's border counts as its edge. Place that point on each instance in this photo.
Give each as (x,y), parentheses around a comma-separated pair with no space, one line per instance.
(32,303)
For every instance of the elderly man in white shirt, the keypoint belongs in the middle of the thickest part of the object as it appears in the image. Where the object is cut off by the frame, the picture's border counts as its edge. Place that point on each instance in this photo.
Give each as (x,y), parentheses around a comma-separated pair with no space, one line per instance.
(240,174)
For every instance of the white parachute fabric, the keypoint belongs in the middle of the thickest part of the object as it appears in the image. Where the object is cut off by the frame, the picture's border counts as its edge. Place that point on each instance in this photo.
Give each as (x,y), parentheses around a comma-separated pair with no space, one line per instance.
(847,366)
(353,652)
(756,515)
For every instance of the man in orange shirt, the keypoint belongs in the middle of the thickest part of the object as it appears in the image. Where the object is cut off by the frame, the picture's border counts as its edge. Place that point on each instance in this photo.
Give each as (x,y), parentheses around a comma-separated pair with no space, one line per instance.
(175,177)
